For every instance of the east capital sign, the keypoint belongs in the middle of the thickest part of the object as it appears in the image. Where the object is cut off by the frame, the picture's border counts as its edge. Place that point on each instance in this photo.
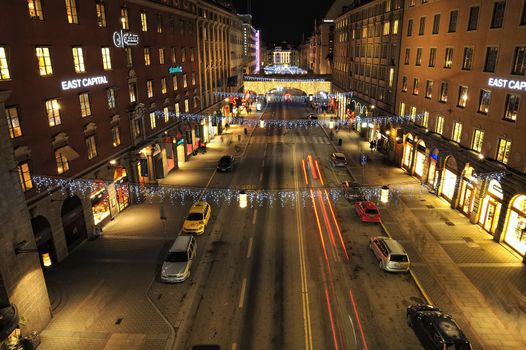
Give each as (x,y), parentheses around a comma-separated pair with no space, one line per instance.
(507,84)
(125,39)
(84,82)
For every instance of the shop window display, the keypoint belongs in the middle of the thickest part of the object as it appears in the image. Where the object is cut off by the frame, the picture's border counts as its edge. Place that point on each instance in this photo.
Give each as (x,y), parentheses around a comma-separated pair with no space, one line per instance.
(100,203)
(516,228)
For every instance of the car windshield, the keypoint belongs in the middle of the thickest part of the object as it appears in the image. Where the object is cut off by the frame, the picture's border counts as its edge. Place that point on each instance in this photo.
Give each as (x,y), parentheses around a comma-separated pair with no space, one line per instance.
(174,257)
(371,211)
(458,347)
(195,216)
(399,257)
(224,160)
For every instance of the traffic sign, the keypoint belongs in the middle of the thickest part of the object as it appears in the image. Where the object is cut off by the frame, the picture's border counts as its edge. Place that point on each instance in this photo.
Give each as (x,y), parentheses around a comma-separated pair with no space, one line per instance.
(363,159)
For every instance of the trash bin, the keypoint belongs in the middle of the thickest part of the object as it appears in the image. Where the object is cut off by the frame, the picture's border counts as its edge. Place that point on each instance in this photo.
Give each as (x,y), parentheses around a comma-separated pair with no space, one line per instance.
(339,142)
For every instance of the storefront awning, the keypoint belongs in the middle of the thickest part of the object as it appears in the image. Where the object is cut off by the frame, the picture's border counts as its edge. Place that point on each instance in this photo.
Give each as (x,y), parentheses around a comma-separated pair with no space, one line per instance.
(68,152)
(8,321)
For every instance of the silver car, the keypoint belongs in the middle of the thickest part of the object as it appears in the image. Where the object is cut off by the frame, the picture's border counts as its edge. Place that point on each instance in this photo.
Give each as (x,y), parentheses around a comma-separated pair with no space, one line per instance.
(177,264)
(390,254)
(338,159)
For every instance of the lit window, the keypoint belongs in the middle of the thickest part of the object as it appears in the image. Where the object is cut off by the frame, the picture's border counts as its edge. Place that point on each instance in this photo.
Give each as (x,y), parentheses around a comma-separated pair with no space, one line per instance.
(85,108)
(153,122)
(149,88)
(183,55)
(395,27)
(424,122)
(468,58)
(163,85)
(402,109)
(404,83)
(432,56)
(132,88)
(91,146)
(110,94)
(185,84)
(387,26)
(172,53)
(53,112)
(193,78)
(116,136)
(44,61)
(457,132)
(512,107)
(166,115)
(448,58)
(101,14)
(192,55)
(124,18)
(13,122)
(106,58)
(491,59)
(503,151)
(462,96)
(129,56)
(416,82)
(391,77)
(519,61)
(159,23)
(429,88)
(144,22)
(146,56)
(4,68)
(498,14)
(177,113)
(25,176)
(186,106)
(71,11)
(484,101)
(443,91)
(161,56)
(136,128)
(407,55)
(439,125)
(174,81)
(478,139)
(78,59)
(412,113)
(35,9)
(62,162)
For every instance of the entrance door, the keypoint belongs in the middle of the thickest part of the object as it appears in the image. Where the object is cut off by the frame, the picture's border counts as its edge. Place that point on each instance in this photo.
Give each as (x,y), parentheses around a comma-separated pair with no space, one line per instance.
(468,199)
(490,216)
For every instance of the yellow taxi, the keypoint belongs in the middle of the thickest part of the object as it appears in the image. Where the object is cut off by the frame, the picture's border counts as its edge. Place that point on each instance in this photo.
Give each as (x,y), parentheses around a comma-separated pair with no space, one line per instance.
(197,218)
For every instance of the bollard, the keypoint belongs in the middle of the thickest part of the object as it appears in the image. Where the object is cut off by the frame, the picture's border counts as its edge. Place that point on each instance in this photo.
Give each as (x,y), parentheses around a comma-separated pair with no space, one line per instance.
(339,142)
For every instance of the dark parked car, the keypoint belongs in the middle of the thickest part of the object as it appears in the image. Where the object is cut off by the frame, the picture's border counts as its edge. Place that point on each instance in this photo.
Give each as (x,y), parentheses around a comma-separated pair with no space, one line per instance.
(226,163)
(312,116)
(436,329)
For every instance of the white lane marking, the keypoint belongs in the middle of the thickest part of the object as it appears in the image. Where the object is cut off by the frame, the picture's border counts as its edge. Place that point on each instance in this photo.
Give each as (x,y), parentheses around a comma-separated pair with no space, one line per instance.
(353,331)
(260,177)
(254,216)
(234,346)
(242,296)
(249,251)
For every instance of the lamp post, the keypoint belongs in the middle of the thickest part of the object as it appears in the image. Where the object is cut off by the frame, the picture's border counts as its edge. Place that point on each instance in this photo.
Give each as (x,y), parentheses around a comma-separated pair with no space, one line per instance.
(242,199)
(46,258)
(384,194)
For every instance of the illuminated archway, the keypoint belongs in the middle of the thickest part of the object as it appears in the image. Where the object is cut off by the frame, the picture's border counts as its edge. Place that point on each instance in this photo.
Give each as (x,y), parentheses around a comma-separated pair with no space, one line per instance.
(73,222)
(515,231)
(468,190)
(43,236)
(491,206)
(449,178)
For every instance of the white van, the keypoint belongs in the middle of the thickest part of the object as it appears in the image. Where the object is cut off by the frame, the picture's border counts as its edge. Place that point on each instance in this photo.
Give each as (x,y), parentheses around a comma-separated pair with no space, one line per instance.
(177,264)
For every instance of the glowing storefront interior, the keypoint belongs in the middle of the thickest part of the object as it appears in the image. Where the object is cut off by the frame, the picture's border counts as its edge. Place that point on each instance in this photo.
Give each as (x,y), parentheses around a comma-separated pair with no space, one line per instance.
(420,158)
(491,205)
(515,233)
(449,179)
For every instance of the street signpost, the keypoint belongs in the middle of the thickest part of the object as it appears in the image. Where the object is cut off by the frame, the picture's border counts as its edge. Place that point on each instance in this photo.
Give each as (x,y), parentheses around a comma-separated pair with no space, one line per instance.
(363,161)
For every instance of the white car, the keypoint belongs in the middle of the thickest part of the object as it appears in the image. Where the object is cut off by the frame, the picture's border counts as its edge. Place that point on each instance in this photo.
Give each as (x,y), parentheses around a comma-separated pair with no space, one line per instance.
(390,254)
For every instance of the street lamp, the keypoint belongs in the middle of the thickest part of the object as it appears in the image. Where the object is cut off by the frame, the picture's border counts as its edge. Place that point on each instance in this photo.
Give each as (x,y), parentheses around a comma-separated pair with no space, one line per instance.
(261,123)
(242,199)
(364,125)
(384,194)
(19,249)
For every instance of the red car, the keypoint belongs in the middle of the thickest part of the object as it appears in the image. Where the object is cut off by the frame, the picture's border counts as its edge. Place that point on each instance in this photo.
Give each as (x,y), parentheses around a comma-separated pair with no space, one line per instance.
(367,211)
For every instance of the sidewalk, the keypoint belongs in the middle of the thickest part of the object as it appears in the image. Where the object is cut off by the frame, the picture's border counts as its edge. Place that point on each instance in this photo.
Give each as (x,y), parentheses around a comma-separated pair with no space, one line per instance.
(462,270)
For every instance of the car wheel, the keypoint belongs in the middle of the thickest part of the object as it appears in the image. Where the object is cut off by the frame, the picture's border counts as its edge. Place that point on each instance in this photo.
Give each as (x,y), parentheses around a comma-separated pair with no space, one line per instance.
(409,322)
(381,265)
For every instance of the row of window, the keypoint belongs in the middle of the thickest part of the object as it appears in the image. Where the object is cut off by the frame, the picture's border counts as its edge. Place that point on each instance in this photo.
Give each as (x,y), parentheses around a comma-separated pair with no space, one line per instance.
(518,64)
(36,12)
(477,139)
(511,110)
(45,65)
(497,20)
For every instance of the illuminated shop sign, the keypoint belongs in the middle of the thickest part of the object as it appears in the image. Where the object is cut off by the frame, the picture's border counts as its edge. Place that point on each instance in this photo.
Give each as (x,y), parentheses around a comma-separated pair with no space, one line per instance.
(125,39)
(177,69)
(507,84)
(84,82)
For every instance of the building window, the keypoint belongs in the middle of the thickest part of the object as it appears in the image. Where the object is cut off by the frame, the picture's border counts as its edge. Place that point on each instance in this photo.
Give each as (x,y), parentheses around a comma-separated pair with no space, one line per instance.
(410,27)
(404,83)
(523,17)
(192,55)
(418,56)
(53,112)
(35,9)
(149,88)
(186,107)
(193,78)
(174,82)
(176,109)
(439,125)
(144,22)
(44,61)
(432,56)
(503,150)
(132,88)
(473,18)
(116,136)
(448,58)
(185,83)
(161,56)
(386,29)
(402,109)
(163,85)
(78,59)
(412,113)
(412,3)
(183,55)
(478,139)
(436,23)
(85,109)
(153,121)
(124,18)
(110,94)
(519,61)
(159,23)
(498,14)
(407,55)
(166,114)
(422,26)
(512,107)
(391,77)
(429,88)
(4,68)
(13,122)
(136,128)
(462,96)
(484,101)
(416,82)
(101,14)
(453,16)
(174,56)
(147,56)
(467,61)
(457,132)
(425,120)
(106,58)
(62,162)
(443,91)
(91,146)
(129,56)
(395,27)
(491,59)
(71,11)
(25,176)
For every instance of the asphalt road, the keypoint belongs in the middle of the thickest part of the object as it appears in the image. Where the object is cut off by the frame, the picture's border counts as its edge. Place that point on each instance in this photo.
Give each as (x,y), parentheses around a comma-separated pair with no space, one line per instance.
(294,277)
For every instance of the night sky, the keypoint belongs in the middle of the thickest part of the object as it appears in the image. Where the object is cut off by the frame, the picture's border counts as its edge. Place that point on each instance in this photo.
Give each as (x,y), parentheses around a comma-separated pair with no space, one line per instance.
(284,20)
